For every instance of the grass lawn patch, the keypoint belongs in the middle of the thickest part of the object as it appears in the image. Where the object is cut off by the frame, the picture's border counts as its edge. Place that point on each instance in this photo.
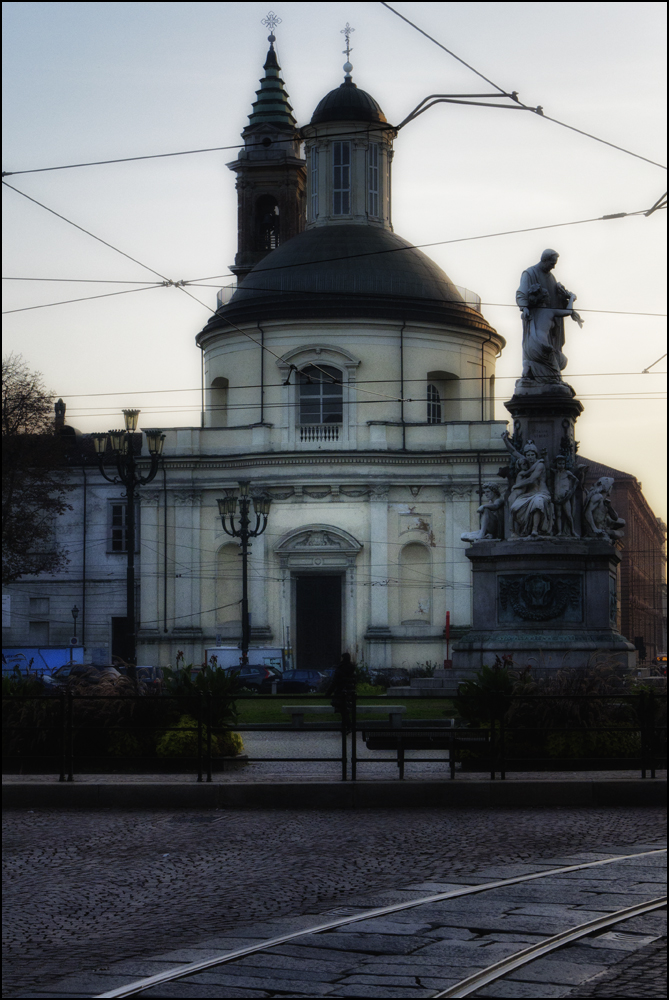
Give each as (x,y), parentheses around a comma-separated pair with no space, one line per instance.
(269,710)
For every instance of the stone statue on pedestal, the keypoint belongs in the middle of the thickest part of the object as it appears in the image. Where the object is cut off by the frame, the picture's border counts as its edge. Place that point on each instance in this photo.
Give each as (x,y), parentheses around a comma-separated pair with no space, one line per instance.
(491,512)
(530,501)
(599,517)
(544,303)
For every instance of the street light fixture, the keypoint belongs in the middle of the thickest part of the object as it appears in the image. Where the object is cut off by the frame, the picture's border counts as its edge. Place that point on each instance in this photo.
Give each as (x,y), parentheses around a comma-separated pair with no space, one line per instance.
(121,444)
(227,507)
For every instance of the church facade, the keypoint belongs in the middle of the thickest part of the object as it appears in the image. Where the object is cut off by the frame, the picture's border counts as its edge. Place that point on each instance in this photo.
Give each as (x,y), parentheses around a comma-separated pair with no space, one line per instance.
(347,379)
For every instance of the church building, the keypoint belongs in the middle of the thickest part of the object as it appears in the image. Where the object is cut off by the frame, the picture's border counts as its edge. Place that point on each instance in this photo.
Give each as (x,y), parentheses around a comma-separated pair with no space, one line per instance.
(347,379)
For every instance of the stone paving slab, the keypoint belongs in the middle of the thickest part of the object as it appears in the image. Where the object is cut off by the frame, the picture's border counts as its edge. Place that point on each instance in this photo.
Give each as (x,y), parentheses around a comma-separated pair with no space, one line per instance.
(188,870)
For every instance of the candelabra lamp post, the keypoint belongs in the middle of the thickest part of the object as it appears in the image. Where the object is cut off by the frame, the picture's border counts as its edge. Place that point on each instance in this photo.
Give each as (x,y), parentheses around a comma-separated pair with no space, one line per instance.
(122,451)
(243,531)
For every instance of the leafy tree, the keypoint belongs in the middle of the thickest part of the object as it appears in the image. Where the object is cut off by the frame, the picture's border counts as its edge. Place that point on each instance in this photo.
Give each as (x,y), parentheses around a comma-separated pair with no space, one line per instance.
(33,486)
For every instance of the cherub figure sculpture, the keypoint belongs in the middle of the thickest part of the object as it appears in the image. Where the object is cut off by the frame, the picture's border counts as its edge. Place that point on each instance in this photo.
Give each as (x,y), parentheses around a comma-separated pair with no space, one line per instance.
(491,512)
(530,501)
(565,484)
(600,519)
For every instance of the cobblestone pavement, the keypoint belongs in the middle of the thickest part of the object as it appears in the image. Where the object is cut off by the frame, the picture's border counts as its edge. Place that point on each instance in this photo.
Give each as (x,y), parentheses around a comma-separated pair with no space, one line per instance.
(643,974)
(328,744)
(84,889)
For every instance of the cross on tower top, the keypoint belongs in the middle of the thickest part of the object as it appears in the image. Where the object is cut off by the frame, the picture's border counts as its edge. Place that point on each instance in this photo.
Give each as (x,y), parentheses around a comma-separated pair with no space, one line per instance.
(348,30)
(271,22)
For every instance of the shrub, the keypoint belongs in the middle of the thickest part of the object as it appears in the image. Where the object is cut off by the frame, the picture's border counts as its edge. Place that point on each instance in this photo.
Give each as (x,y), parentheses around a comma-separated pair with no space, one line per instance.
(365,690)
(182,741)
(222,685)
(595,744)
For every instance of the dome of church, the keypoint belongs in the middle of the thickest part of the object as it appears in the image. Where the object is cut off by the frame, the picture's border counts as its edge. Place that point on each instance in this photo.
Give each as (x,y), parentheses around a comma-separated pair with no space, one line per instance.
(343,271)
(348,103)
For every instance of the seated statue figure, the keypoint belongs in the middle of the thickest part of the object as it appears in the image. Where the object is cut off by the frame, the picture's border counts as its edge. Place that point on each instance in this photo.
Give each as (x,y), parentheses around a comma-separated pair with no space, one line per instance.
(491,512)
(599,518)
(530,501)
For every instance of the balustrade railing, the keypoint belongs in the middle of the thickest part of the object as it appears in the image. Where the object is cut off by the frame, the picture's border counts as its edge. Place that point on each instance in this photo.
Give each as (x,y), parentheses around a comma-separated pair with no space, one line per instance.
(319,432)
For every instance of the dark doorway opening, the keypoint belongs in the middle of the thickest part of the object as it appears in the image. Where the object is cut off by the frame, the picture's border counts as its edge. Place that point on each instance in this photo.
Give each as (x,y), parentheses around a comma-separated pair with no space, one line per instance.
(120,645)
(318,622)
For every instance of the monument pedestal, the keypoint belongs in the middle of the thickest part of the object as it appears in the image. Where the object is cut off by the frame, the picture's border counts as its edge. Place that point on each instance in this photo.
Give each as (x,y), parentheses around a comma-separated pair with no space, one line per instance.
(550,602)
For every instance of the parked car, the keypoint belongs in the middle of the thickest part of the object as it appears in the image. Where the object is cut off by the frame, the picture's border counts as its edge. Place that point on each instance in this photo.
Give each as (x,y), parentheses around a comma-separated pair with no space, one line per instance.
(72,671)
(152,677)
(300,682)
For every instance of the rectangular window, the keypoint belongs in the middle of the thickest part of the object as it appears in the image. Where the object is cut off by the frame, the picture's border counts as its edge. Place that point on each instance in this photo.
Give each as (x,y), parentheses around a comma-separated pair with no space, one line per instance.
(117,535)
(314,183)
(38,633)
(341,178)
(373,179)
(39,606)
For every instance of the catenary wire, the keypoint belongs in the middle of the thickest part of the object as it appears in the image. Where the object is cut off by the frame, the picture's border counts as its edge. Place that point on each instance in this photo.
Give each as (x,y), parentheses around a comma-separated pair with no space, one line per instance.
(199,281)
(85,298)
(422,246)
(505,93)
(198,284)
(278,385)
(81,228)
(160,156)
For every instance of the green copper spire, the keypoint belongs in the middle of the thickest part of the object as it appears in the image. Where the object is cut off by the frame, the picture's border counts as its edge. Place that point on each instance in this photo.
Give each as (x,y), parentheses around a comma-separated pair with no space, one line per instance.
(272,104)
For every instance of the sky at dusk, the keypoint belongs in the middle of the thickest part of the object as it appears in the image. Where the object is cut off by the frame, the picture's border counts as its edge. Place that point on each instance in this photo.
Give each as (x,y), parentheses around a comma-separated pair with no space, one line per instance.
(93,81)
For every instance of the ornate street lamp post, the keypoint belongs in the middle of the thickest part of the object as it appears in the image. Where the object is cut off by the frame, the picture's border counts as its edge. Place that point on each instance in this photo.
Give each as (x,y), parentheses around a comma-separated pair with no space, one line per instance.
(74,641)
(227,508)
(128,474)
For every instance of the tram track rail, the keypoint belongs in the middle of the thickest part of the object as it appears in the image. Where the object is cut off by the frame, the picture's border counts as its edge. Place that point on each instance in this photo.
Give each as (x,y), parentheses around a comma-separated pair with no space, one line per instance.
(466,986)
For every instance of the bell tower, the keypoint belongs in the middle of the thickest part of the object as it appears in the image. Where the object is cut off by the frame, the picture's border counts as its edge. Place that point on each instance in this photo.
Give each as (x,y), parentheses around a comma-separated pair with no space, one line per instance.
(271,174)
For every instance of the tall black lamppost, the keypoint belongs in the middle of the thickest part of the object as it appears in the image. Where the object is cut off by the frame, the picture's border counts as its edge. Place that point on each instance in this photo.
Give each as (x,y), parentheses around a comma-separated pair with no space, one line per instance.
(227,508)
(74,641)
(126,468)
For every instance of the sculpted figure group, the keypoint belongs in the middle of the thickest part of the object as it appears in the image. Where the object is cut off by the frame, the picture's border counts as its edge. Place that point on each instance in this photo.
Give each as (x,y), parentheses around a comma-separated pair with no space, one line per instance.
(541,501)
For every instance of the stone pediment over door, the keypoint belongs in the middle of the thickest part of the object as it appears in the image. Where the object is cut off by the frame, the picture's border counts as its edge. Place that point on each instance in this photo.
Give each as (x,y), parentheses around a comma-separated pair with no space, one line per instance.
(319,547)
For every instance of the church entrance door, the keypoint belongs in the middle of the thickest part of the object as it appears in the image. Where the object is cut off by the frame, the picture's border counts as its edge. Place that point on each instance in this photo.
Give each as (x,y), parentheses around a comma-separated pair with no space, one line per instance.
(318,622)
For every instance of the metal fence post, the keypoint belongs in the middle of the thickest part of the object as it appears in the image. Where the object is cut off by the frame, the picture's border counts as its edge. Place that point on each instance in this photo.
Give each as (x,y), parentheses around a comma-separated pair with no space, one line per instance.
(199,737)
(651,731)
(70,736)
(354,726)
(502,760)
(492,744)
(643,726)
(344,740)
(208,735)
(63,735)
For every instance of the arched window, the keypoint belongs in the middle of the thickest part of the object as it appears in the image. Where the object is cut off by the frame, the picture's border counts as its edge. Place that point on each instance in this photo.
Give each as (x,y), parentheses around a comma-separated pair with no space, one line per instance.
(229,587)
(314,183)
(267,223)
(415,584)
(341,178)
(433,405)
(218,402)
(321,398)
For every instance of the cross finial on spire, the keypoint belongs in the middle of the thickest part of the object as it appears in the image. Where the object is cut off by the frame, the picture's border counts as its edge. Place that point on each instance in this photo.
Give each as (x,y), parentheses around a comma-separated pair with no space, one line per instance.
(348,30)
(271,22)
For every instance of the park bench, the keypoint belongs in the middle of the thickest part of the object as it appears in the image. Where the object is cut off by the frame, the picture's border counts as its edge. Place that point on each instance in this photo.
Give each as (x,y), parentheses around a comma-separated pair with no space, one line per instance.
(424,739)
(297,712)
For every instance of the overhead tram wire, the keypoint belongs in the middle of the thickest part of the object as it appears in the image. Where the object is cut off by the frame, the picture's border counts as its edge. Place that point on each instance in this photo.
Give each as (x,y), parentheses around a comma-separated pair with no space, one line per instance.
(278,385)
(85,298)
(81,228)
(199,281)
(514,96)
(422,246)
(162,156)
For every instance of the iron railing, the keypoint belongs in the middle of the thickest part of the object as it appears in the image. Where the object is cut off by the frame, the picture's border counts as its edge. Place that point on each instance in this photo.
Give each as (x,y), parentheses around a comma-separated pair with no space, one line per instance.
(492,748)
